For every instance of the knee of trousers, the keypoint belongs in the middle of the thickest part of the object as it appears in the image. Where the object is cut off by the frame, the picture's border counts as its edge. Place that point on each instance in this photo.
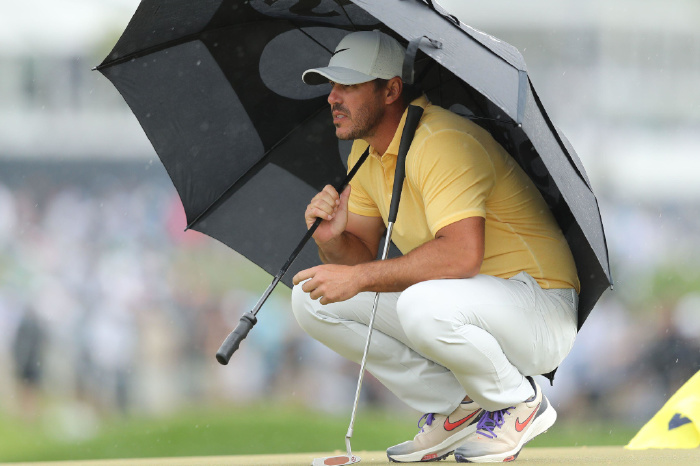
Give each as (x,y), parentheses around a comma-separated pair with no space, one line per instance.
(303,309)
(419,323)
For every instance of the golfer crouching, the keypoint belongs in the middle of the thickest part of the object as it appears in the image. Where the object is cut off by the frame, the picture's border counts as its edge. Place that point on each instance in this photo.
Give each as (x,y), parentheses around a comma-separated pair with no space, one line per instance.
(485,294)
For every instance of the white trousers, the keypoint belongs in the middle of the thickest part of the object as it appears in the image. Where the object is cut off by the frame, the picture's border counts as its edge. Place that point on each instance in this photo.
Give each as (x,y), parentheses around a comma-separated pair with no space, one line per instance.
(440,340)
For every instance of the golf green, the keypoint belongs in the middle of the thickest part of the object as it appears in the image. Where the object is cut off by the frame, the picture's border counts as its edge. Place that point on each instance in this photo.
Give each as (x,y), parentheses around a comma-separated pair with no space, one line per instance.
(583,456)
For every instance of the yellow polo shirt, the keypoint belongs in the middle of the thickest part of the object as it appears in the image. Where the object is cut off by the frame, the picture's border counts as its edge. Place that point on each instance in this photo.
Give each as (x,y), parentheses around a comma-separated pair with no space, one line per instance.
(456,170)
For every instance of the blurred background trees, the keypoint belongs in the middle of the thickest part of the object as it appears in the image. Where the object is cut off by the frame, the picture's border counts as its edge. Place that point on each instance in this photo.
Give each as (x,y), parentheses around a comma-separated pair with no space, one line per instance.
(107,306)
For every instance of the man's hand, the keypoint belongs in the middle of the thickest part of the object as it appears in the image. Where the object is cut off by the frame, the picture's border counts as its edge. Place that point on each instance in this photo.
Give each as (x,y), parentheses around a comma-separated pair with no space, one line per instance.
(332,283)
(333,209)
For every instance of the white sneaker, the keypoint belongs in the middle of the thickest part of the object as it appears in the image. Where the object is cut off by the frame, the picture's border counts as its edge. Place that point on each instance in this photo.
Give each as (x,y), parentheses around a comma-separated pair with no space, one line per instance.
(439,435)
(500,435)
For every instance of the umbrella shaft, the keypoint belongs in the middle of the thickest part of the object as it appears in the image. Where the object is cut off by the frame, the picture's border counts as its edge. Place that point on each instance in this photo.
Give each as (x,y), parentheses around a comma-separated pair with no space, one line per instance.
(269,290)
(307,236)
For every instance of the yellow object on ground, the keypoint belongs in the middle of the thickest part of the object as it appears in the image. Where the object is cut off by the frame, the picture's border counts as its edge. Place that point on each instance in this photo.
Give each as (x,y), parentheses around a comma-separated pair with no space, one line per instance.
(677,424)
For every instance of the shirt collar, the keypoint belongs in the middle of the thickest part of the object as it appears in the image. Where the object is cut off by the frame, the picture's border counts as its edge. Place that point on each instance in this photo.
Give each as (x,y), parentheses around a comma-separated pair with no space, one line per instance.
(393,148)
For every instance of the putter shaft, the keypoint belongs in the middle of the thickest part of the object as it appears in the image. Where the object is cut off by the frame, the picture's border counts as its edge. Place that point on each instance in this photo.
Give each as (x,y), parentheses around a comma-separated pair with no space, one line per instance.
(348,436)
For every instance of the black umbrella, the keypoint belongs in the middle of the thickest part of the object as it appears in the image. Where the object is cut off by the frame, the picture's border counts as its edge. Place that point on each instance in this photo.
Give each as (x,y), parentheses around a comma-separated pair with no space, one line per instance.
(216,86)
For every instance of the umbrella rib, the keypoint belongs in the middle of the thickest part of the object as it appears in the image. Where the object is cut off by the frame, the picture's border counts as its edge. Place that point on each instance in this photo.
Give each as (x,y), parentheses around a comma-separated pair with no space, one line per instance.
(259,163)
(300,29)
(175,42)
(347,16)
(147,51)
(554,132)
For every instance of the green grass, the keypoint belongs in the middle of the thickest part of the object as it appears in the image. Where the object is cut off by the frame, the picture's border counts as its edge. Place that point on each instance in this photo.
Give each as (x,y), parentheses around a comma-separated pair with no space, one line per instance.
(244,430)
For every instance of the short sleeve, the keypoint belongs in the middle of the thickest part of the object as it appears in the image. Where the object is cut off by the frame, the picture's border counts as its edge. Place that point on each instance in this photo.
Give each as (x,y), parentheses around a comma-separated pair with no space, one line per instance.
(455,177)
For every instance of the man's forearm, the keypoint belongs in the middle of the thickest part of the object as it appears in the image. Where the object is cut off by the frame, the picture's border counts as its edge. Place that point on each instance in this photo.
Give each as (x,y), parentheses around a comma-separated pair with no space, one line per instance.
(347,249)
(431,261)
(456,252)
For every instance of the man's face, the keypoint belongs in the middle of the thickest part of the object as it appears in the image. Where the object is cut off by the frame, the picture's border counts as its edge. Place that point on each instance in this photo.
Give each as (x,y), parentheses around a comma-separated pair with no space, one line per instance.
(356,109)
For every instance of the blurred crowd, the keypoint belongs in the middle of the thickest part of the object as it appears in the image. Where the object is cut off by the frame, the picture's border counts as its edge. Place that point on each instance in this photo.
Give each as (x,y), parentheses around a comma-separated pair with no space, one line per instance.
(107,306)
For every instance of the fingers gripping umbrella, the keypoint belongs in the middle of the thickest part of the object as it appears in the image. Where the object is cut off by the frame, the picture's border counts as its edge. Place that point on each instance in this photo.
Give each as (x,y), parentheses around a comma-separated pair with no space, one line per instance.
(216,87)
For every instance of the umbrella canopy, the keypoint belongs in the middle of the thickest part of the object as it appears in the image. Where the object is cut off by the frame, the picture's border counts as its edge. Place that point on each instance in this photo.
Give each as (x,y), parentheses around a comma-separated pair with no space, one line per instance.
(216,86)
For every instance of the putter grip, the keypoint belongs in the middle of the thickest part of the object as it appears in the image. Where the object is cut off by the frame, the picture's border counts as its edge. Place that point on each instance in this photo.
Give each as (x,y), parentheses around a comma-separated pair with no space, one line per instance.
(234,339)
(412,118)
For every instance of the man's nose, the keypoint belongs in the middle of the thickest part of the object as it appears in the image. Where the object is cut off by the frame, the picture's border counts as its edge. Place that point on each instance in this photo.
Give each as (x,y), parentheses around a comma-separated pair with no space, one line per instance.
(334,96)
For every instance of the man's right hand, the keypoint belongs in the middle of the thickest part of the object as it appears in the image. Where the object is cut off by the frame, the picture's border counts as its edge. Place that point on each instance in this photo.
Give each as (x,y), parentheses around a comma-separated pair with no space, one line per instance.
(333,209)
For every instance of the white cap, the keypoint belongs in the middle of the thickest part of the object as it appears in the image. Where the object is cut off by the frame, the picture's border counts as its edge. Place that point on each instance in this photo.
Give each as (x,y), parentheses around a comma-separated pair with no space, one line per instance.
(360,57)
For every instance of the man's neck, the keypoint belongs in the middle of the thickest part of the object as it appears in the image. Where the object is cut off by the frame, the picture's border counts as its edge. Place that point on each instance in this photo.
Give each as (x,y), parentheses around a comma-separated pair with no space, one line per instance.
(386,129)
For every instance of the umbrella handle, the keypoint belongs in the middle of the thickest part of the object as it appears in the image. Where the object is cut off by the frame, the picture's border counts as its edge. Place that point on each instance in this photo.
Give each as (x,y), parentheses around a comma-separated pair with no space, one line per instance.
(234,339)
(246,323)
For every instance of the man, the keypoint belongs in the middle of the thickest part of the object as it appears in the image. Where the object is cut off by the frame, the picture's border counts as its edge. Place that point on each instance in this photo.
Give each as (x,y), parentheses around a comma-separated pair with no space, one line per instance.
(485,294)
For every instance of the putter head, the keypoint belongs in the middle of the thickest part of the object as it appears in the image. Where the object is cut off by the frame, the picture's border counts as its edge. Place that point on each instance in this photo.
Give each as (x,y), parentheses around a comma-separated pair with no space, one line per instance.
(336,460)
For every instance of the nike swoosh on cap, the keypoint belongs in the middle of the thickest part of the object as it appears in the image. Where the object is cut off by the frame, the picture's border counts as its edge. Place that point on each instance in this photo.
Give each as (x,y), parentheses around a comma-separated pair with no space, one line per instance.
(338,51)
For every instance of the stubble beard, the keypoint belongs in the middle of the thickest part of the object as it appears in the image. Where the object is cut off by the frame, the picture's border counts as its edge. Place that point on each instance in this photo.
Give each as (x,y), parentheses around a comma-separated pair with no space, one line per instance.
(365,119)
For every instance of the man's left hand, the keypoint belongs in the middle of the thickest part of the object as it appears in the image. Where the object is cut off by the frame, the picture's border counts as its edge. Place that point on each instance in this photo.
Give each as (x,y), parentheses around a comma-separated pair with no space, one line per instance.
(330,282)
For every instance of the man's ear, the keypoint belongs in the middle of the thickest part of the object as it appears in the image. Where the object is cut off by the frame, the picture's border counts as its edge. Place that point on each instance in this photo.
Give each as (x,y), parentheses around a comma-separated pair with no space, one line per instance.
(393,90)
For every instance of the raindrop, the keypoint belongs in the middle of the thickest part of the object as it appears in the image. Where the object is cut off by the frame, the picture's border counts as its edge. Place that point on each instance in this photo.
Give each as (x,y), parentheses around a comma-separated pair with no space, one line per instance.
(676,360)
(199,62)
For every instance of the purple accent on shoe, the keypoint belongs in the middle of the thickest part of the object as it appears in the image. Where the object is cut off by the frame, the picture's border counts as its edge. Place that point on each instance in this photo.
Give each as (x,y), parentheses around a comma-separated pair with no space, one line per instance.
(492,420)
(429,418)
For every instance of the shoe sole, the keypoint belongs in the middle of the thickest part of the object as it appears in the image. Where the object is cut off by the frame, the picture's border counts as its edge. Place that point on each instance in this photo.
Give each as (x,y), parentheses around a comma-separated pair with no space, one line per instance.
(440,451)
(437,458)
(540,425)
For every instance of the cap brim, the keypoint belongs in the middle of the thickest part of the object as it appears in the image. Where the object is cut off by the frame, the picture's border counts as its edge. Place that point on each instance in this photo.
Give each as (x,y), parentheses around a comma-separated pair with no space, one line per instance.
(336,74)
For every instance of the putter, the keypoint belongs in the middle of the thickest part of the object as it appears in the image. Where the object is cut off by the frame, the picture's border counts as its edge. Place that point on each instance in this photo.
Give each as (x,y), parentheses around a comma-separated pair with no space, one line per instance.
(414,114)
